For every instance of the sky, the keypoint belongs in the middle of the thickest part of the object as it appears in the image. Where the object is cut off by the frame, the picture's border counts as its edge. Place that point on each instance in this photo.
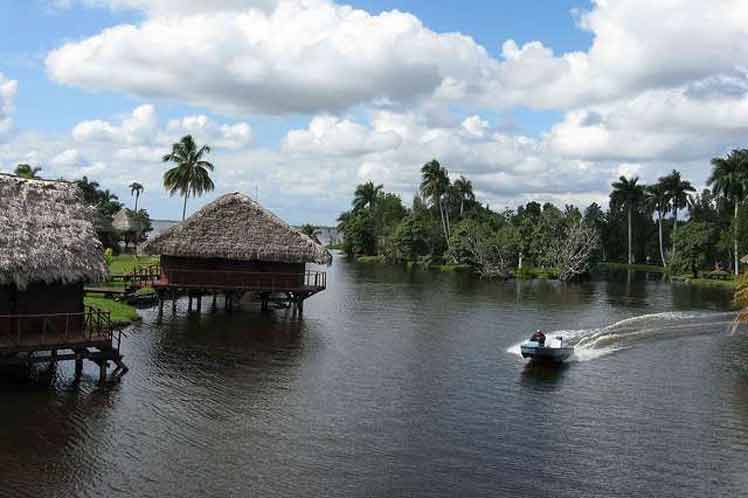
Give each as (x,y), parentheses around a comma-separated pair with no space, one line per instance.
(301,100)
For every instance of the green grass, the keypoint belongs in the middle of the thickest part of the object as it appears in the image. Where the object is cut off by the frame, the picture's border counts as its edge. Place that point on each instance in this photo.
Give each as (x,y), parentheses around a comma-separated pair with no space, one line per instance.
(370,259)
(122,313)
(637,267)
(529,273)
(125,263)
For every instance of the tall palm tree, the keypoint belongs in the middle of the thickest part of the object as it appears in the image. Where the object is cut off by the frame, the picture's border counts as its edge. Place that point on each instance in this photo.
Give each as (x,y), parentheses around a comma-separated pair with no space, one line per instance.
(464,189)
(657,199)
(678,190)
(628,193)
(26,171)
(729,178)
(434,185)
(136,189)
(192,173)
(366,195)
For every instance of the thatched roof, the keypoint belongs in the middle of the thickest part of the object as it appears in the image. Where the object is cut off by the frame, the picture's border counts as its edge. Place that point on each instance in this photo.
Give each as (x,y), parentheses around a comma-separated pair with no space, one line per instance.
(47,234)
(234,226)
(744,259)
(123,222)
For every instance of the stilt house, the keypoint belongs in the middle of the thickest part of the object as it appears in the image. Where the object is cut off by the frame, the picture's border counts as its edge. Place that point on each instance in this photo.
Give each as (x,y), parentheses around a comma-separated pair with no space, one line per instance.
(234,246)
(48,249)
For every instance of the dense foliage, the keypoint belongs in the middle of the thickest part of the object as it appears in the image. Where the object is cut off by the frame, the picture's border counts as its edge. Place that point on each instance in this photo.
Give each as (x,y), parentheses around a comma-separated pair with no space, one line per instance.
(666,223)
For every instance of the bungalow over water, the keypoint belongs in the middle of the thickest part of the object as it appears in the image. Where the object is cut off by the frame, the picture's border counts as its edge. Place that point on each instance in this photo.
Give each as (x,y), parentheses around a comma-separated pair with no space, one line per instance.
(234,246)
(48,250)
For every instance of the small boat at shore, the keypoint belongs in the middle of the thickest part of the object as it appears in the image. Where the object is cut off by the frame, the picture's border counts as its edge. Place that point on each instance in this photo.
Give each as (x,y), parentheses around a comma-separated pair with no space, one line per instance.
(537,349)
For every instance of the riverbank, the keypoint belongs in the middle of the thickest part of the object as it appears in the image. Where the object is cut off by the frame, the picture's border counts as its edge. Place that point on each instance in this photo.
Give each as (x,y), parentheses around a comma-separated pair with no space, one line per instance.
(122,313)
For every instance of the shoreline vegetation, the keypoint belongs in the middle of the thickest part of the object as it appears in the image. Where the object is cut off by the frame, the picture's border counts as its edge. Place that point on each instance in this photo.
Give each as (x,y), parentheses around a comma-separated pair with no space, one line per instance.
(692,237)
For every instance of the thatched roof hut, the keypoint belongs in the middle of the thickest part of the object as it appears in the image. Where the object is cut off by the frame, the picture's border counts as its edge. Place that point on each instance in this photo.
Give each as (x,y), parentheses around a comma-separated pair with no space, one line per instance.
(123,222)
(47,234)
(235,227)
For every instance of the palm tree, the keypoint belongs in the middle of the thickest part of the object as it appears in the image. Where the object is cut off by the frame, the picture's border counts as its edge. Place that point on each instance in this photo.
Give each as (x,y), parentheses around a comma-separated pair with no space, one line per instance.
(434,185)
(657,199)
(628,193)
(136,189)
(678,190)
(729,178)
(26,171)
(464,189)
(192,173)
(366,195)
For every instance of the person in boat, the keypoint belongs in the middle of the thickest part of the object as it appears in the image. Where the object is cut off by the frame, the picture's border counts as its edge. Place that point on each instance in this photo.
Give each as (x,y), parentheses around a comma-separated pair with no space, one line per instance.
(538,337)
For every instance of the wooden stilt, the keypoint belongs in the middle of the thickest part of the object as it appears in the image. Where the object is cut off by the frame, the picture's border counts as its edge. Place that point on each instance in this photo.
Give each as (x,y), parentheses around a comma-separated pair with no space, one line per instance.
(78,366)
(301,307)
(199,303)
(173,301)
(103,364)
(214,301)
(189,303)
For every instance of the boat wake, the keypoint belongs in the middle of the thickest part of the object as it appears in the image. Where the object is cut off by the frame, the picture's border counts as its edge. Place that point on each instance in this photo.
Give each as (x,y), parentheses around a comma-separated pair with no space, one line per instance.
(596,342)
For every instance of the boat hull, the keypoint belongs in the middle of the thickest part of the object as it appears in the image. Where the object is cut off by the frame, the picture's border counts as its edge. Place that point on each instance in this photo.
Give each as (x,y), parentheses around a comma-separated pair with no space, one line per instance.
(545,354)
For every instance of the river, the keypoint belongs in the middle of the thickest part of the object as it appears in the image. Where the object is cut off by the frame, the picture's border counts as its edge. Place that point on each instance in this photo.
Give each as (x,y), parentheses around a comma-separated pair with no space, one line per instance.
(403,384)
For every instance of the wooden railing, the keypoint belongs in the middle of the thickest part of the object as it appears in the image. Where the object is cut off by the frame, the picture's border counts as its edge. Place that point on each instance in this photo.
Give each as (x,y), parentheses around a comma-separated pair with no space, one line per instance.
(91,325)
(235,279)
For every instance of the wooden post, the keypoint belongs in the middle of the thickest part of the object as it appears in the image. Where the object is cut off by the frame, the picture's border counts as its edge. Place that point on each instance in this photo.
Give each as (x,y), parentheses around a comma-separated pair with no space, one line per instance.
(199,303)
(103,364)
(174,301)
(214,300)
(189,302)
(78,366)
(301,307)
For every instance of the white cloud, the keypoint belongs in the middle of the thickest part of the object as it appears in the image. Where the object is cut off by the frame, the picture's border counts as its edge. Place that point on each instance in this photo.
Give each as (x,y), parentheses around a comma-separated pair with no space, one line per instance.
(329,135)
(169,7)
(140,131)
(8,89)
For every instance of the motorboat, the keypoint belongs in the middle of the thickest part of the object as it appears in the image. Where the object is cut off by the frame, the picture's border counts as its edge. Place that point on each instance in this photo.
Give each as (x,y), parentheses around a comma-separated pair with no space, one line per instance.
(552,350)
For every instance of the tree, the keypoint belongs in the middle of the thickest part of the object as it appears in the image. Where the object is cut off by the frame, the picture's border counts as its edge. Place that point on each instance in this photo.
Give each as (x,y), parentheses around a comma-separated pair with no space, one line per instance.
(678,190)
(434,185)
(691,244)
(464,189)
(26,171)
(729,178)
(366,195)
(657,199)
(192,173)
(628,193)
(572,253)
(136,189)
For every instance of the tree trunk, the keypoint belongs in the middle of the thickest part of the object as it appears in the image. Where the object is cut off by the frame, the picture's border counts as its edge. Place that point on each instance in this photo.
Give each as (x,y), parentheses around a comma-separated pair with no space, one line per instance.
(628,212)
(735,241)
(184,208)
(444,223)
(137,196)
(675,228)
(462,207)
(662,250)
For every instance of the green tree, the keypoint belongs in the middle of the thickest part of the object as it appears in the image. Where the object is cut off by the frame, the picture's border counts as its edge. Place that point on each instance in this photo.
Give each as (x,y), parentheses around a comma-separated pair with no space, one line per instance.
(192,173)
(26,171)
(366,195)
(678,190)
(136,189)
(729,178)
(657,199)
(464,190)
(308,230)
(628,193)
(691,246)
(433,186)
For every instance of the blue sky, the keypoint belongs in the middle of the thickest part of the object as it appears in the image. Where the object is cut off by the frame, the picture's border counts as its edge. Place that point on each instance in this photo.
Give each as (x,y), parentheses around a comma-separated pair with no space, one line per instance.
(530,106)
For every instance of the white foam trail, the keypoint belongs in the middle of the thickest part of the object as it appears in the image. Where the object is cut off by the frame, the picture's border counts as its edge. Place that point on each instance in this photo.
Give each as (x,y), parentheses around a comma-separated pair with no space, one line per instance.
(593,343)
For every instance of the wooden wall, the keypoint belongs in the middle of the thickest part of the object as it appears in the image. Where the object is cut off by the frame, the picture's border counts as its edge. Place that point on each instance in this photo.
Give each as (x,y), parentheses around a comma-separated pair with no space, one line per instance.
(216,272)
(39,299)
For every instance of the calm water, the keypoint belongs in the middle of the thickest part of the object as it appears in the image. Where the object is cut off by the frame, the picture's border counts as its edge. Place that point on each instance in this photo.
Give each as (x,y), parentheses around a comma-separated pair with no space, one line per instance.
(403,384)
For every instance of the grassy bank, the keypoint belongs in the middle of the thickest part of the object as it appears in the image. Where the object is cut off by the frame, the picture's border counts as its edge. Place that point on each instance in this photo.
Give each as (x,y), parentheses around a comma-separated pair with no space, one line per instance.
(707,282)
(636,267)
(122,313)
(125,263)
